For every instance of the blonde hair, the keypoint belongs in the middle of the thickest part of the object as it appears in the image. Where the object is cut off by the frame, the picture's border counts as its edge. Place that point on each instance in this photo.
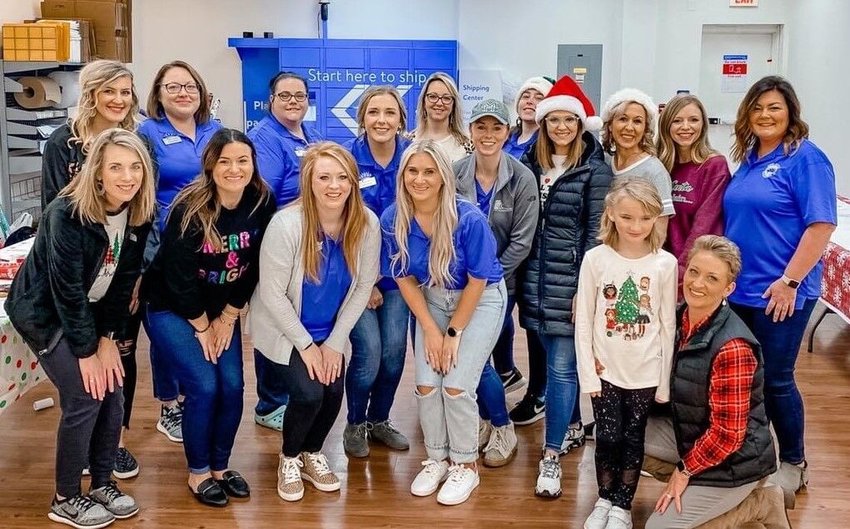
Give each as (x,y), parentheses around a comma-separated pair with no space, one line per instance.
(544,148)
(722,248)
(93,77)
(745,139)
(455,120)
(86,190)
(442,252)
(701,150)
(202,205)
(379,91)
(647,143)
(637,189)
(354,216)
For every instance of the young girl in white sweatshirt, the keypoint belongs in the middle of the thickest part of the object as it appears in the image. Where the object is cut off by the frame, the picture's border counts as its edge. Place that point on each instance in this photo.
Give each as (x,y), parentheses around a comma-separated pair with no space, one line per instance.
(625,326)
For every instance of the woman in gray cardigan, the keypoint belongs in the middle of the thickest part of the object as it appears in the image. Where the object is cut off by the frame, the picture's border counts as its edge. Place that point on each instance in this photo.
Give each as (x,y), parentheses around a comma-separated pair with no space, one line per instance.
(506,191)
(318,263)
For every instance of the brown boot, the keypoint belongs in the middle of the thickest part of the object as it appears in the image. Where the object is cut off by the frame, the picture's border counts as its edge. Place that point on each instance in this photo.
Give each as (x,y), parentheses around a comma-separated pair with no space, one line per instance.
(763,508)
(660,470)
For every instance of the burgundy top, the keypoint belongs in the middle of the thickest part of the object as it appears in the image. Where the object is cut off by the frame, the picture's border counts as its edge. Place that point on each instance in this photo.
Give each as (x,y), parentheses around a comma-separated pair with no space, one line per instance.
(698,200)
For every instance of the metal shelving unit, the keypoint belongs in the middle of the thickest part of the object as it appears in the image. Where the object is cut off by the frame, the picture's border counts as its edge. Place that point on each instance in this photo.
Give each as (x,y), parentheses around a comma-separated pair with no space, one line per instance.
(21,144)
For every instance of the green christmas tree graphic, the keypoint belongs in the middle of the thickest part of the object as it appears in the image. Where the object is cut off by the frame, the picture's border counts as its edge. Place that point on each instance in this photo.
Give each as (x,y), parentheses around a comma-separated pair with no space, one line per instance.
(627,303)
(116,247)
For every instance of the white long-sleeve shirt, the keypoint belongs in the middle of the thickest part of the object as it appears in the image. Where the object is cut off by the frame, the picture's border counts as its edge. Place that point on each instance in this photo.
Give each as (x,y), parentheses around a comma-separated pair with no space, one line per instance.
(626,319)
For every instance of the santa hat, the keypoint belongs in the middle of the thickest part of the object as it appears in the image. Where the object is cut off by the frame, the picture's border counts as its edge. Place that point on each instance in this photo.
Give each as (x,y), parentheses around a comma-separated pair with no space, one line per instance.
(541,84)
(631,95)
(567,95)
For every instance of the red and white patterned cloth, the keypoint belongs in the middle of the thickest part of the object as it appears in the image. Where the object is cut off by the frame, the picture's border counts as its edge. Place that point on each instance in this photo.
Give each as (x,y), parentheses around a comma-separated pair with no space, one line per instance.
(835,289)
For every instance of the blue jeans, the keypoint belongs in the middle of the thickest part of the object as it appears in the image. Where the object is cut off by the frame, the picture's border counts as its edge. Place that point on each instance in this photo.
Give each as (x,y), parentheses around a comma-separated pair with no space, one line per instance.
(214,392)
(378,346)
(491,397)
(780,343)
(503,353)
(165,385)
(272,392)
(561,387)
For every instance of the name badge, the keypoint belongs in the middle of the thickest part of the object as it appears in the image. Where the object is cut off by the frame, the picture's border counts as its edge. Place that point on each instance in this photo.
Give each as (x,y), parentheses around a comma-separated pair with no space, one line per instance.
(299,152)
(171,140)
(368,182)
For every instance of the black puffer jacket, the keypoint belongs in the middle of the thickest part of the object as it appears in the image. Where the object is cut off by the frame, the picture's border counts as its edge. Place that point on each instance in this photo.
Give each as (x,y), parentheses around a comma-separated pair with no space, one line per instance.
(48,299)
(568,225)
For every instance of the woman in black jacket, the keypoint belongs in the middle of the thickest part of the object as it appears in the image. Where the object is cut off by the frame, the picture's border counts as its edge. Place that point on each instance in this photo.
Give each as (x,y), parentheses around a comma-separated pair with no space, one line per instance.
(573,178)
(70,301)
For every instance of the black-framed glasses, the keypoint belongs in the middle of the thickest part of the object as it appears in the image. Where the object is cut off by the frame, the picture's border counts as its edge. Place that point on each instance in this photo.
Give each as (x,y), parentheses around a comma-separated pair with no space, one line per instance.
(174,88)
(287,96)
(446,99)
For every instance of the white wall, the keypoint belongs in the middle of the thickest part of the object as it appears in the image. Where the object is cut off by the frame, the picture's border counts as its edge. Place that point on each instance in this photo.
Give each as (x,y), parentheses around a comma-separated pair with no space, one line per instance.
(818,68)
(18,10)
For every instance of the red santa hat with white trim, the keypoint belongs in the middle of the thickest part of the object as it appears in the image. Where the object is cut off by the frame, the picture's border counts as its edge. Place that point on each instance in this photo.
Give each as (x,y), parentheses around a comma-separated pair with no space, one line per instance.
(567,95)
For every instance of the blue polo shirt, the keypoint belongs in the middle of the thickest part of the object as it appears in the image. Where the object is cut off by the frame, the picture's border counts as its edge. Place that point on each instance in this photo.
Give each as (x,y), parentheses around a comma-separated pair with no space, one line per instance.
(279,155)
(768,205)
(474,243)
(483,198)
(178,157)
(516,149)
(377,183)
(320,302)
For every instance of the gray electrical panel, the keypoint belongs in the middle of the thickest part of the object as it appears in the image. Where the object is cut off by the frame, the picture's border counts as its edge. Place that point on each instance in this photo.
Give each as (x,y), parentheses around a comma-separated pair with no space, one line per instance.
(583,62)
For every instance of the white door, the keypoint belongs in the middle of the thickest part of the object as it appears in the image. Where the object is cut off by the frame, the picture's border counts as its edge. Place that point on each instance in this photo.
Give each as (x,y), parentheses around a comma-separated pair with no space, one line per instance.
(721,90)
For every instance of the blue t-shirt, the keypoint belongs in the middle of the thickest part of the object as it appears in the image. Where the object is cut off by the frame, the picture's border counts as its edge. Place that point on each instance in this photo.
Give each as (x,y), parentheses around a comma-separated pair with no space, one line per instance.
(474,243)
(279,155)
(320,302)
(377,183)
(178,158)
(768,205)
(484,199)
(516,149)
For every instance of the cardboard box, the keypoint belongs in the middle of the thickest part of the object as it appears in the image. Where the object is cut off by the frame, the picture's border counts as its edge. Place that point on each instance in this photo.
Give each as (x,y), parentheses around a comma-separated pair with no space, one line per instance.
(109,18)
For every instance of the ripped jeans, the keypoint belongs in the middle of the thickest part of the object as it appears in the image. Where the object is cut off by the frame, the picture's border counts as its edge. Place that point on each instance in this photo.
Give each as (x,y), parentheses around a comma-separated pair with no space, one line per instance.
(450,422)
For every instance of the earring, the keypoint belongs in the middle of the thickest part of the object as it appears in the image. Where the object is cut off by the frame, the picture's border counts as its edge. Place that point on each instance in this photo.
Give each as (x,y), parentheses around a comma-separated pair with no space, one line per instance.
(724,302)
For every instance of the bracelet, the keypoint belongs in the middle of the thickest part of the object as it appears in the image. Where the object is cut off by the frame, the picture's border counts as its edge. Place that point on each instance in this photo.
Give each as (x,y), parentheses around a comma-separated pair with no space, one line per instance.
(228,323)
(202,331)
(231,317)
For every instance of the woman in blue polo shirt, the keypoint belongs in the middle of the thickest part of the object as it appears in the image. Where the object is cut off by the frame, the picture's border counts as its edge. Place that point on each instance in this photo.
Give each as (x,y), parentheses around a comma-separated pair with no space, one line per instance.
(780,210)
(442,253)
(178,129)
(281,139)
(524,133)
(379,340)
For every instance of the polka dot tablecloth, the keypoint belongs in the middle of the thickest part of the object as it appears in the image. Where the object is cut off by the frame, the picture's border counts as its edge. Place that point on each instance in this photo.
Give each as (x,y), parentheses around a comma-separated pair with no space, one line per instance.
(19,368)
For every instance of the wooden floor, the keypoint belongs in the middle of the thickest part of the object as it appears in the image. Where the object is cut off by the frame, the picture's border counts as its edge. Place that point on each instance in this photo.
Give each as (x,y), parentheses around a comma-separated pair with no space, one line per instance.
(375,491)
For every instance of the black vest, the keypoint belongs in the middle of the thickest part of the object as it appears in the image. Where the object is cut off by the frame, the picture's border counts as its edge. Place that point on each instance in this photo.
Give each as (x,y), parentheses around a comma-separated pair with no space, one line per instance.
(689,384)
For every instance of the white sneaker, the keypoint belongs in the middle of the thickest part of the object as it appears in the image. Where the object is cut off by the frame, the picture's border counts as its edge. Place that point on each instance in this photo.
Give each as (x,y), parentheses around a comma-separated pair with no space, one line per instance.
(502,446)
(460,484)
(548,477)
(574,438)
(485,428)
(619,519)
(598,518)
(290,487)
(429,478)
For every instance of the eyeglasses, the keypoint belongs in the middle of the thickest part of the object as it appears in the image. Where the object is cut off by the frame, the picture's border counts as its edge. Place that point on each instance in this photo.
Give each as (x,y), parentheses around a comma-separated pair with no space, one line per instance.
(287,96)
(446,99)
(174,88)
(569,121)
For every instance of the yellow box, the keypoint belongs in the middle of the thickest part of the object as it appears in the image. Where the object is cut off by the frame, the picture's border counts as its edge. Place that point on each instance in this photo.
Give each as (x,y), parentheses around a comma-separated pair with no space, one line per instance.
(37,42)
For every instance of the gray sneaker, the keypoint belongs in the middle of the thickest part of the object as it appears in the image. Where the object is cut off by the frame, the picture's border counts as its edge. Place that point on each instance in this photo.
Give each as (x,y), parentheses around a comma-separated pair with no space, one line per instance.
(355,439)
(171,422)
(119,504)
(80,512)
(386,433)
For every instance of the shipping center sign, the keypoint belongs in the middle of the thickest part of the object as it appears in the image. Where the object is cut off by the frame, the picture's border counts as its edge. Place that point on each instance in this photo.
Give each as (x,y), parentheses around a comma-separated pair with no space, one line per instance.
(338,72)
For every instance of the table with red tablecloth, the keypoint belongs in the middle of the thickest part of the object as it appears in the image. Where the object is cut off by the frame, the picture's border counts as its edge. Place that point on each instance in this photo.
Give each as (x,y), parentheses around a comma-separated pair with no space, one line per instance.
(835,288)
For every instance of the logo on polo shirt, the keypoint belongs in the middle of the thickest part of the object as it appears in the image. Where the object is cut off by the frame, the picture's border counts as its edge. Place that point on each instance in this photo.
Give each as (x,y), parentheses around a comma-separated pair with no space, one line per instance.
(771,170)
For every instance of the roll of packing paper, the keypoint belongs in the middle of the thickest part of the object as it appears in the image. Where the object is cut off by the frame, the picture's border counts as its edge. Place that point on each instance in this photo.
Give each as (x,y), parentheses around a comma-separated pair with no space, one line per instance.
(69,84)
(39,92)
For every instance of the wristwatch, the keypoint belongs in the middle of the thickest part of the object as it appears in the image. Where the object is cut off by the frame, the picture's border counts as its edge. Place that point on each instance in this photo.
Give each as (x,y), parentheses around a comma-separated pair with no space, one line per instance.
(680,466)
(453,333)
(790,282)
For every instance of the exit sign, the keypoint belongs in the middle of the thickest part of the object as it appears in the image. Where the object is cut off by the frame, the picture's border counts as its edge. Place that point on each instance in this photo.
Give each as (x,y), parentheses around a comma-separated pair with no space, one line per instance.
(743,3)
